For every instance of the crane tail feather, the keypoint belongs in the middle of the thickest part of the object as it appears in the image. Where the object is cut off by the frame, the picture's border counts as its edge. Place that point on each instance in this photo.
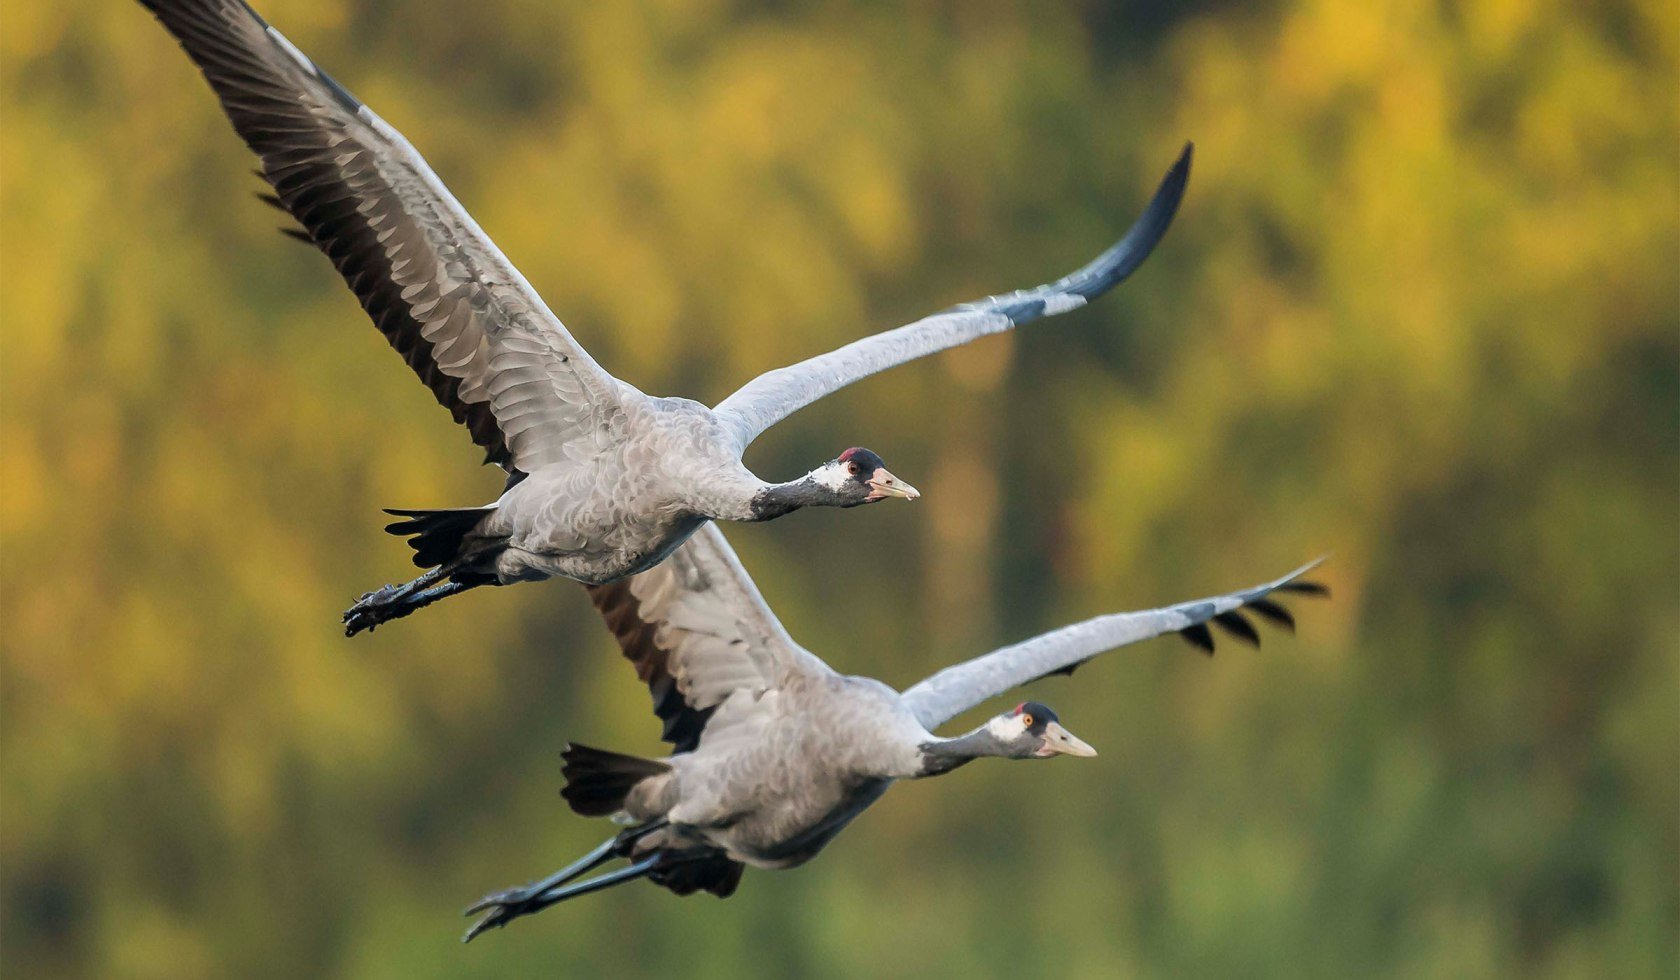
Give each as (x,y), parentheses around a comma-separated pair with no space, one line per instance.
(437,536)
(598,781)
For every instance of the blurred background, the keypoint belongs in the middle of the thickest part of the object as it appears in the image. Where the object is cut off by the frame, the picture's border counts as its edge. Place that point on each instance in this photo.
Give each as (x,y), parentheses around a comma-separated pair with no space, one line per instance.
(1419,310)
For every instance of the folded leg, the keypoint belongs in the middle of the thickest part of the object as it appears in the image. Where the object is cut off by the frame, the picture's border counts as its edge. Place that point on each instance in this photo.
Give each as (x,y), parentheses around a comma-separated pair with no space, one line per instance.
(397,601)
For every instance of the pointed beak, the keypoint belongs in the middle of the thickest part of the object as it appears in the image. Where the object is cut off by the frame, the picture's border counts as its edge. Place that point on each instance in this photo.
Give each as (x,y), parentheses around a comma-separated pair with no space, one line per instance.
(1060,741)
(883,485)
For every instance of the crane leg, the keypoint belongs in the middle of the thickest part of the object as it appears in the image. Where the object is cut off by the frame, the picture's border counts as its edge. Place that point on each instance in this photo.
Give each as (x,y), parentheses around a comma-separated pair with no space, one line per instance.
(618,845)
(501,915)
(582,866)
(512,903)
(397,601)
(396,593)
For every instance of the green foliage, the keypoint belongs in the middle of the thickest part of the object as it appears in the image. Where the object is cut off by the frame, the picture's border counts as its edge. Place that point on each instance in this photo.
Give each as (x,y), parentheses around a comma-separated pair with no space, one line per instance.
(1419,310)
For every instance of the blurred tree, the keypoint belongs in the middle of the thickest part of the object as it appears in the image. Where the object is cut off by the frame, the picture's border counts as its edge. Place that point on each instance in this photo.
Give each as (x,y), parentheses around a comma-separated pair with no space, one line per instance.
(1420,309)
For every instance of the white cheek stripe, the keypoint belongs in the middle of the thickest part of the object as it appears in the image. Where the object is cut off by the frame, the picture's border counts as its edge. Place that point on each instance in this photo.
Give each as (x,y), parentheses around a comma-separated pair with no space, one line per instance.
(833,476)
(1007,728)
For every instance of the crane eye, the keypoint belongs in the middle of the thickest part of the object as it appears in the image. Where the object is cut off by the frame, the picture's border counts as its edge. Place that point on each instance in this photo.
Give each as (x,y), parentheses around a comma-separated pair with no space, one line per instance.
(1027,720)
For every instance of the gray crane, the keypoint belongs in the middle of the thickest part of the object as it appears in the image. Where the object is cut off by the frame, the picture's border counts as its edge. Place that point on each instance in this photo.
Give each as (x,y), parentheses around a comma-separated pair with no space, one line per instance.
(603,480)
(774,753)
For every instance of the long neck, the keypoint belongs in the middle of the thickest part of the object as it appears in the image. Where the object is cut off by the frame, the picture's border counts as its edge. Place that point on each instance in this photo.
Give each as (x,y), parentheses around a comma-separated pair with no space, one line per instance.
(736,494)
(777,499)
(944,754)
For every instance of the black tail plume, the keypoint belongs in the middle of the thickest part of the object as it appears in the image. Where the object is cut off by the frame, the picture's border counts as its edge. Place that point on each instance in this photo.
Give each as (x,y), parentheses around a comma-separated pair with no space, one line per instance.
(597,781)
(436,535)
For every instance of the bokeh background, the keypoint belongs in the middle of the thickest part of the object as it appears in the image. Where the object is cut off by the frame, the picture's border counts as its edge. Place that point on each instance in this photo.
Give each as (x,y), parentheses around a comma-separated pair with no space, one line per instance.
(1419,310)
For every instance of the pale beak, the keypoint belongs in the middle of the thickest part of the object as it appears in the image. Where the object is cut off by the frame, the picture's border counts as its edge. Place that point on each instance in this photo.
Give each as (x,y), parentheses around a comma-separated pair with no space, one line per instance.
(1060,741)
(883,485)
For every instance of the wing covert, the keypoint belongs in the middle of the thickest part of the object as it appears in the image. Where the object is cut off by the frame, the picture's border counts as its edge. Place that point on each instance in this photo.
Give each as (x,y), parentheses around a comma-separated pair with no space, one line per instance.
(697,630)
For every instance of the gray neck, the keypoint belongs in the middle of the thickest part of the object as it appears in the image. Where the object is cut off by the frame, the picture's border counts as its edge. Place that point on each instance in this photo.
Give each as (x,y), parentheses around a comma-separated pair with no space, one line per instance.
(944,754)
(778,499)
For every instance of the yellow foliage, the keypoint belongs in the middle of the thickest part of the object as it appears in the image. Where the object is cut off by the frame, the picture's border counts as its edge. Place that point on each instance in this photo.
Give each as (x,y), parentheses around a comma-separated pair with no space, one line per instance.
(1419,310)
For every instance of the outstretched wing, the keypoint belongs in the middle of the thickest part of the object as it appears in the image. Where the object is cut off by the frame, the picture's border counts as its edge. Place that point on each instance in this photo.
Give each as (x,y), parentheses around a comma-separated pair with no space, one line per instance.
(956,689)
(697,631)
(450,303)
(774,395)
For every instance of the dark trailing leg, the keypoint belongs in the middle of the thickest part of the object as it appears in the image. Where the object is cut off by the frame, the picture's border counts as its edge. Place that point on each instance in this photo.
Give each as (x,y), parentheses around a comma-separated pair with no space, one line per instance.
(397,601)
(501,915)
(505,906)
(438,538)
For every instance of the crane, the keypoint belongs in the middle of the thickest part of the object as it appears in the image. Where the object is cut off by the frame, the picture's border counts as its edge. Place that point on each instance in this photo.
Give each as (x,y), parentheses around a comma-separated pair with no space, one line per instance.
(603,481)
(774,752)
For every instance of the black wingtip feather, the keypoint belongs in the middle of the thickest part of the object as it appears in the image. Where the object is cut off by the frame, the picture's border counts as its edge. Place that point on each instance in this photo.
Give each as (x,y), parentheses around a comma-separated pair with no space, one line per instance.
(254,73)
(1199,636)
(1237,625)
(1140,240)
(1318,589)
(1272,613)
(278,205)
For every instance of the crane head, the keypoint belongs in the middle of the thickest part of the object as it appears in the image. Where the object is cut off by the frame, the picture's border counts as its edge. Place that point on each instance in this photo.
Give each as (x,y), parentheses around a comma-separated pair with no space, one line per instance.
(1033,731)
(858,476)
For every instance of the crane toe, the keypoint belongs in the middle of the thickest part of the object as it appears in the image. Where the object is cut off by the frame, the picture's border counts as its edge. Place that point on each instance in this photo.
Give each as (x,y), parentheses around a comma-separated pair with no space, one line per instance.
(502,899)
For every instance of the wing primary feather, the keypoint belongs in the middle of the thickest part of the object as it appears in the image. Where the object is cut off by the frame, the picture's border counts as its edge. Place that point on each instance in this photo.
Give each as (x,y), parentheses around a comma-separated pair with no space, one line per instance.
(774,395)
(398,238)
(1106,270)
(1272,613)
(937,699)
(1199,636)
(1237,625)
(1318,589)
(1127,254)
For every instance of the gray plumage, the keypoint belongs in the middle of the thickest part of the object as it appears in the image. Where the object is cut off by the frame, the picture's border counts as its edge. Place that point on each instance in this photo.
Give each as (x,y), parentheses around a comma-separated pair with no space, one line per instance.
(775,752)
(957,688)
(604,481)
